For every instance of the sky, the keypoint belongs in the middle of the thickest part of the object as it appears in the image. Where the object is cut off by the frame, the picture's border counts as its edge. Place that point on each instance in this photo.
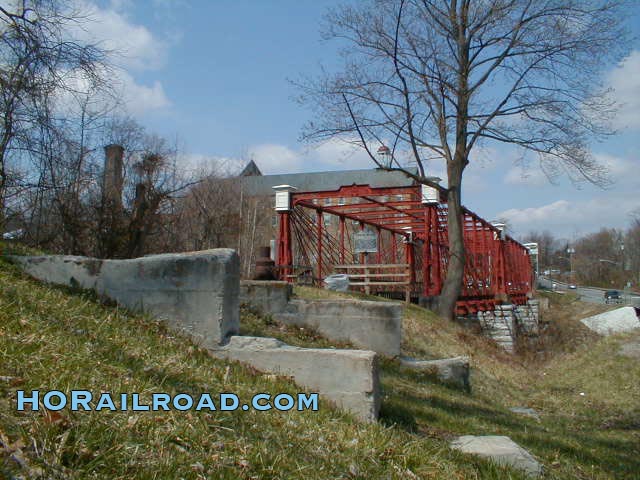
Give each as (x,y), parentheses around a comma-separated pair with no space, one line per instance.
(216,75)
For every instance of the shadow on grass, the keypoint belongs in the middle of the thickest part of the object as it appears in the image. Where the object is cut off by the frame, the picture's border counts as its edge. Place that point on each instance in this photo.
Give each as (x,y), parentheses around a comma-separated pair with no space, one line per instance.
(434,407)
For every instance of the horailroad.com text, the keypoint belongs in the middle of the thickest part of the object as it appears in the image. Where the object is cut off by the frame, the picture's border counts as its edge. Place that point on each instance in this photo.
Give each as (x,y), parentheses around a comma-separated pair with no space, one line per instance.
(84,400)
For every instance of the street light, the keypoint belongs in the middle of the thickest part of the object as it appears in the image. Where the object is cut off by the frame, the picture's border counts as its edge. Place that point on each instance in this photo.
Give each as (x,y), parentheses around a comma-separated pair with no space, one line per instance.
(385,156)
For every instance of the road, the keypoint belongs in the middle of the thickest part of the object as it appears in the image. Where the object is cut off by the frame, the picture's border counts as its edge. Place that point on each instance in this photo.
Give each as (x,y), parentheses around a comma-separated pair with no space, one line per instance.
(588,294)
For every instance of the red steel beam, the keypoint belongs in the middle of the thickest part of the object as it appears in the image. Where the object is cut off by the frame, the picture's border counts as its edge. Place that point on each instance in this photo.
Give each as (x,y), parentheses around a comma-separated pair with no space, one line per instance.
(285,256)
(331,210)
(503,262)
(342,252)
(364,206)
(391,207)
(320,219)
(358,191)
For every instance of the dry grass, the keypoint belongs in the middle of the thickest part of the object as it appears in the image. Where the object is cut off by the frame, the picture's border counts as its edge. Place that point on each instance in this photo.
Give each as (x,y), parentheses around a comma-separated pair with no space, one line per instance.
(54,338)
(590,436)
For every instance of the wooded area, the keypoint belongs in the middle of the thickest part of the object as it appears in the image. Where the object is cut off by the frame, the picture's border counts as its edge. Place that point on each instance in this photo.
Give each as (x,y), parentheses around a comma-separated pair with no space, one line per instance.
(59,108)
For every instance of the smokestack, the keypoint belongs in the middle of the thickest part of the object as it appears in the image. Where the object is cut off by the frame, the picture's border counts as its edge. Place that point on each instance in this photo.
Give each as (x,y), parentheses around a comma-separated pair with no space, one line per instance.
(112,179)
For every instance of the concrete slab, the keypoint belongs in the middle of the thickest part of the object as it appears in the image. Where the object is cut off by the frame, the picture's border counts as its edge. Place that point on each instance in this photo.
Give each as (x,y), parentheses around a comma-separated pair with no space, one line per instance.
(502,450)
(631,349)
(452,371)
(267,296)
(349,378)
(370,325)
(195,292)
(526,411)
(623,319)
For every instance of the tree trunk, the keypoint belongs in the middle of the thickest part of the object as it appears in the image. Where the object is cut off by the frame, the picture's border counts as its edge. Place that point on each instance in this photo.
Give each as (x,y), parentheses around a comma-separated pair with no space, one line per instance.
(2,188)
(455,267)
(4,146)
(455,166)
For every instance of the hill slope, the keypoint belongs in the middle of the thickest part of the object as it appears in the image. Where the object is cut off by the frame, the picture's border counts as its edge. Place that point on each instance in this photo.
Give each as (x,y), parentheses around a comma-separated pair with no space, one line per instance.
(53,338)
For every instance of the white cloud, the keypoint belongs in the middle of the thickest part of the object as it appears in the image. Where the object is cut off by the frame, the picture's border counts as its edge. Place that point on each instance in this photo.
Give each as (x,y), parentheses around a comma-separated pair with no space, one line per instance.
(139,98)
(135,47)
(331,155)
(132,48)
(340,155)
(621,170)
(567,218)
(274,158)
(625,80)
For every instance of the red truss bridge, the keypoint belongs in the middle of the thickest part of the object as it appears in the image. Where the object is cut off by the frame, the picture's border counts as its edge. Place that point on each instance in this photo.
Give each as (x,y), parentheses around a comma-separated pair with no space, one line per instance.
(323,232)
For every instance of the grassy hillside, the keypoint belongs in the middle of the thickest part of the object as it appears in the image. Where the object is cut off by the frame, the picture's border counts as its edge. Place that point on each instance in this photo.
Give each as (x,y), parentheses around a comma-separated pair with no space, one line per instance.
(52,338)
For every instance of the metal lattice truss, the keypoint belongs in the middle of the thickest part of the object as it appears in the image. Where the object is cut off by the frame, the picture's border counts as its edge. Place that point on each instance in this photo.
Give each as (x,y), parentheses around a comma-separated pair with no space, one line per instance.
(316,235)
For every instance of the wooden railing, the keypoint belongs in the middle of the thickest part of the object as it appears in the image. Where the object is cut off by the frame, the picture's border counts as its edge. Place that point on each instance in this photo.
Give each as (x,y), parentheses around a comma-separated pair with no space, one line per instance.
(298,274)
(375,278)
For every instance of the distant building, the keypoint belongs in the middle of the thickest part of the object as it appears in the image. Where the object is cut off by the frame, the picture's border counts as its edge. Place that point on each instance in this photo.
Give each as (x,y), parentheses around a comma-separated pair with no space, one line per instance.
(258,221)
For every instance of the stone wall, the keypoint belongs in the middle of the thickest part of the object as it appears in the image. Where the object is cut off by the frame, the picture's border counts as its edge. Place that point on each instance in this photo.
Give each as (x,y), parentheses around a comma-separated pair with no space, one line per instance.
(499,325)
(528,319)
(195,292)
(508,324)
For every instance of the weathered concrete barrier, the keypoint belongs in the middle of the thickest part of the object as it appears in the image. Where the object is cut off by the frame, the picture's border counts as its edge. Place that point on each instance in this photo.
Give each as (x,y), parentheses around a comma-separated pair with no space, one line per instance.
(196,292)
(624,319)
(349,378)
(501,450)
(267,296)
(371,325)
(451,371)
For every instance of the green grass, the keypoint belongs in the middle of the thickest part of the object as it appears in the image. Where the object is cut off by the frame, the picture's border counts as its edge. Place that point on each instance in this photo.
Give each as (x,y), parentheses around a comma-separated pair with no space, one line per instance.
(595,435)
(54,338)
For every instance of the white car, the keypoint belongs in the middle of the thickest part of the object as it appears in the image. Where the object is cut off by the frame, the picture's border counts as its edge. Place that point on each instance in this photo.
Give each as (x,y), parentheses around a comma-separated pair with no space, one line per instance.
(12,235)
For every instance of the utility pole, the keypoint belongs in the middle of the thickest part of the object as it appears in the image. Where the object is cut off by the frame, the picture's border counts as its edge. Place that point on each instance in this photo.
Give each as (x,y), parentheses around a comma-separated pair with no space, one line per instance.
(571,251)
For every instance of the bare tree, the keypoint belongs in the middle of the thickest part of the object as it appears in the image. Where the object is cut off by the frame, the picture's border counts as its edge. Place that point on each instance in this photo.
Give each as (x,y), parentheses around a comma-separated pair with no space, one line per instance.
(434,79)
(208,214)
(38,57)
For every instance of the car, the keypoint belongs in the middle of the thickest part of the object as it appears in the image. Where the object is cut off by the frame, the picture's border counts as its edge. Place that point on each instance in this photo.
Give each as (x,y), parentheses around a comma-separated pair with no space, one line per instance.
(572,286)
(612,296)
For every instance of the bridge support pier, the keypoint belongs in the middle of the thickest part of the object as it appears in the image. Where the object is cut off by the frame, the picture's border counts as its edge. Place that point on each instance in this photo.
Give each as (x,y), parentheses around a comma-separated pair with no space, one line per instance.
(508,325)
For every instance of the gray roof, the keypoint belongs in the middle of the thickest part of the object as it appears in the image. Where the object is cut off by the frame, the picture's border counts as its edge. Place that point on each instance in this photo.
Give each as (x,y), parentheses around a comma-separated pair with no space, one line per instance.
(250,170)
(318,181)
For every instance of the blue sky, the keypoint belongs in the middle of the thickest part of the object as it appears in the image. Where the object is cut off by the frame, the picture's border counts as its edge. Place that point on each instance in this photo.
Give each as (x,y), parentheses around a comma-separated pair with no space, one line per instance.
(215,75)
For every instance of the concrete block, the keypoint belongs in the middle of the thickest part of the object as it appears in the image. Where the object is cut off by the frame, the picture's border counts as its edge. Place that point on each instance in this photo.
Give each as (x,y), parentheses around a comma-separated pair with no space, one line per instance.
(526,411)
(623,319)
(349,378)
(195,292)
(501,450)
(268,297)
(370,325)
(452,371)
